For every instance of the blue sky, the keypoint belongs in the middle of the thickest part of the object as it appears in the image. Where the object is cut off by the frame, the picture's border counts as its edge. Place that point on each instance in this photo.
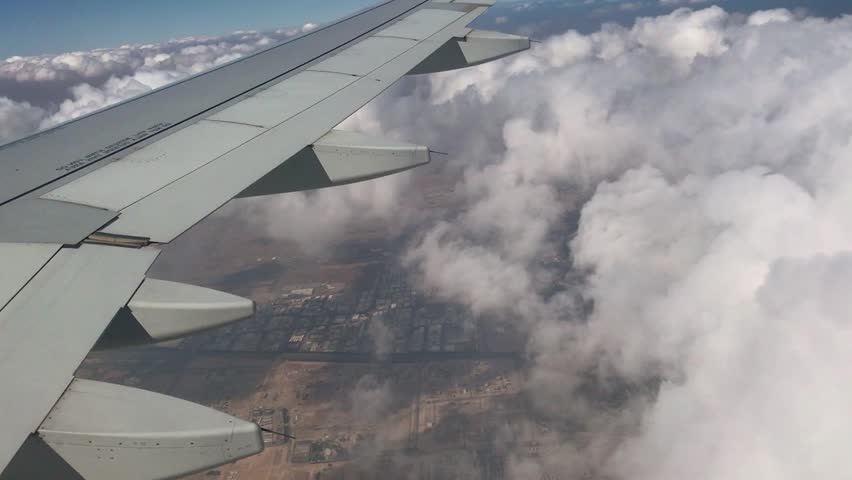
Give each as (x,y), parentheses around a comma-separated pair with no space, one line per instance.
(30,27)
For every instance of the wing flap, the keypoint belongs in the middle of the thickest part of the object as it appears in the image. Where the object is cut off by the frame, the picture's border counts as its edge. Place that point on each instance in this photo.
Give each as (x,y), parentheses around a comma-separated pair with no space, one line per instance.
(50,326)
(21,261)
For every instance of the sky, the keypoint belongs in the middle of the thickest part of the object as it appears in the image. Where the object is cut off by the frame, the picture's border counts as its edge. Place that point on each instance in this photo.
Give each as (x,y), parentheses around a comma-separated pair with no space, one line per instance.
(699,158)
(34,27)
(29,27)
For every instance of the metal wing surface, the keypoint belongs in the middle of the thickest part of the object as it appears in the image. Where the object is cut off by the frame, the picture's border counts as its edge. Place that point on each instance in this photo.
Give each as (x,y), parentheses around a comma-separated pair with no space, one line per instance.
(85,207)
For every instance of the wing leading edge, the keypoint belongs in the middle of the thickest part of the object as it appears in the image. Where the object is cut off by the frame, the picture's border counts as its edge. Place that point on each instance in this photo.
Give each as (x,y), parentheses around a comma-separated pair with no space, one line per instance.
(156,165)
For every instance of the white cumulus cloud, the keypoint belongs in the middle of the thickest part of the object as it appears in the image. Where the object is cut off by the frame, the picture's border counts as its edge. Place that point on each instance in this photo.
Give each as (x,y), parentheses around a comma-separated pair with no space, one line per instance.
(710,153)
(57,88)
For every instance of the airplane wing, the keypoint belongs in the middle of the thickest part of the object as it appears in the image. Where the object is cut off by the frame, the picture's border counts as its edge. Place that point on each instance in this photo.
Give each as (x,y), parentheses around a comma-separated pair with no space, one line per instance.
(85,208)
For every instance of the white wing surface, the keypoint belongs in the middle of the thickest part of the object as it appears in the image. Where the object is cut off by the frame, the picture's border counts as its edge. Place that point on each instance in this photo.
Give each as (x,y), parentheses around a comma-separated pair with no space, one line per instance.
(85,207)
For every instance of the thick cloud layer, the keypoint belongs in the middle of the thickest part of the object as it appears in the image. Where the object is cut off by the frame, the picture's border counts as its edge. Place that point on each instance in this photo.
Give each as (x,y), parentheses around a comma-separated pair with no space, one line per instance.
(711,153)
(708,157)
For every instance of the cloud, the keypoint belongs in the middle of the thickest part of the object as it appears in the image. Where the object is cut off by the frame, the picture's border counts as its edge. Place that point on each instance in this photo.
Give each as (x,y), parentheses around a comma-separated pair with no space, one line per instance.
(709,154)
(339,208)
(370,399)
(694,168)
(676,3)
(18,119)
(57,88)
(767,16)
(381,335)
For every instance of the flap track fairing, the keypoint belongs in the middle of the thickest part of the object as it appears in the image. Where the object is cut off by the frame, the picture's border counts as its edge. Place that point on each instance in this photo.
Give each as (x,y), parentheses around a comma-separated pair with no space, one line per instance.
(474,48)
